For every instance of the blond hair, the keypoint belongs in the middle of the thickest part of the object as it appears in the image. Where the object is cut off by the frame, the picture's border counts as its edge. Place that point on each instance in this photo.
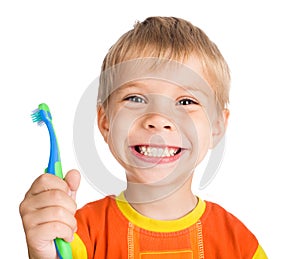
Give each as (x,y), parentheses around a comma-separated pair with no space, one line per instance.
(175,39)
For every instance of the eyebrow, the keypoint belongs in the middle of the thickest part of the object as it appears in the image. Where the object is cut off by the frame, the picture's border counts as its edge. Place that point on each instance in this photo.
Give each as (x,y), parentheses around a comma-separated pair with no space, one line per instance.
(136,84)
(193,89)
(127,86)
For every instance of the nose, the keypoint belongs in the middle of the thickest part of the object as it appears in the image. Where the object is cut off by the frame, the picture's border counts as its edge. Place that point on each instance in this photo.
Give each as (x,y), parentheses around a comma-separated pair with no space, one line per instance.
(157,122)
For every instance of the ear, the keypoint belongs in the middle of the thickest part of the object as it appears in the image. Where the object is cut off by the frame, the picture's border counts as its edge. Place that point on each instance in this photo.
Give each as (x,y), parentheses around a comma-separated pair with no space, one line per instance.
(103,122)
(219,127)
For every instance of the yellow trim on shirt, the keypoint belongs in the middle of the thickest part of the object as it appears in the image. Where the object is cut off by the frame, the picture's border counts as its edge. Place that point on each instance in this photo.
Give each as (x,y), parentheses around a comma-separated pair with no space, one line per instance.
(78,248)
(160,225)
(260,253)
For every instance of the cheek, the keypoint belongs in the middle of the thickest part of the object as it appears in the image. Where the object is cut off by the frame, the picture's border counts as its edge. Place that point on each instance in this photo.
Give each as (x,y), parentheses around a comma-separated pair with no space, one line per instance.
(197,127)
(204,134)
(199,134)
(204,141)
(120,127)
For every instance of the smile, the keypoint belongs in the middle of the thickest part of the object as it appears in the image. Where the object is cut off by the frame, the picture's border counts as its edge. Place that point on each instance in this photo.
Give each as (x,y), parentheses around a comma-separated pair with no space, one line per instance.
(157,154)
(151,151)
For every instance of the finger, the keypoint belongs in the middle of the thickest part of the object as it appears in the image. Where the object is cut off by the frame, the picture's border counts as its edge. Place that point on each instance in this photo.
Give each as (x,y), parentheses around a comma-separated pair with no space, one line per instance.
(47,215)
(46,182)
(47,232)
(51,198)
(72,178)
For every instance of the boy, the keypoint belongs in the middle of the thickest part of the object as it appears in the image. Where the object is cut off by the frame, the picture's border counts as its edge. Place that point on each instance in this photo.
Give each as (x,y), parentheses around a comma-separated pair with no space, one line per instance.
(161,106)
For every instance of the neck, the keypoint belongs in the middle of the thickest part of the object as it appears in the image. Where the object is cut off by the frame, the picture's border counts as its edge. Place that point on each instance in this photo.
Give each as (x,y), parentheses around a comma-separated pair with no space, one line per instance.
(172,206)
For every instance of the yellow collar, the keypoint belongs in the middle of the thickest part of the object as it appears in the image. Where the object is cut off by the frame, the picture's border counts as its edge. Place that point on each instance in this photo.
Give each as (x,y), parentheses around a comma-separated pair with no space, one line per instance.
(160,225)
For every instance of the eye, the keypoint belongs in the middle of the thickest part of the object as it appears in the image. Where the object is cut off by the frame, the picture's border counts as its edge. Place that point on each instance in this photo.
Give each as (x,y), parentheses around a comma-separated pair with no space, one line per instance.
(135,99)
(186,101)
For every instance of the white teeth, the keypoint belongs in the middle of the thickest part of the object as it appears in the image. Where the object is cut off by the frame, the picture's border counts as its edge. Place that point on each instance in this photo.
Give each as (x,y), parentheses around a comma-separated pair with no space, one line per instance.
(157,152)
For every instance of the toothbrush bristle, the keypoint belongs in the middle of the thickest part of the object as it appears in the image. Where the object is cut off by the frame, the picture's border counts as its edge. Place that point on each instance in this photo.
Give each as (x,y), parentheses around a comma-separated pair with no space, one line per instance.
(36,117)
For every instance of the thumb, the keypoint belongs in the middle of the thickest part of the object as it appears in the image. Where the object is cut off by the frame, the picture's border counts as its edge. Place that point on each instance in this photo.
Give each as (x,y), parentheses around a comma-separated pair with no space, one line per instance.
(72,178)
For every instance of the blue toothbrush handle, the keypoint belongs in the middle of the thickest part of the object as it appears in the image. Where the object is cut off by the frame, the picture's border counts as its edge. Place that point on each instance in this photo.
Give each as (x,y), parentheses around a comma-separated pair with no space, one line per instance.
(42,115)
(63,248)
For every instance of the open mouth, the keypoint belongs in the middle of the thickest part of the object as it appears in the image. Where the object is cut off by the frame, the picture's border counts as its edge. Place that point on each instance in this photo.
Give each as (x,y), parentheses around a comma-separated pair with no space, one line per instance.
(154,151)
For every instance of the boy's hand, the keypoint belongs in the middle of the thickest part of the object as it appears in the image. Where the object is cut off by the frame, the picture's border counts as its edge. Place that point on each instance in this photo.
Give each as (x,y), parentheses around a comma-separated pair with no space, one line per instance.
(47,212)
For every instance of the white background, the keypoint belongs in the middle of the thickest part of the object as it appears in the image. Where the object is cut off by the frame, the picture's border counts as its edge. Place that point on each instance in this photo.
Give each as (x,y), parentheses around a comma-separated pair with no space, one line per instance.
(51,51)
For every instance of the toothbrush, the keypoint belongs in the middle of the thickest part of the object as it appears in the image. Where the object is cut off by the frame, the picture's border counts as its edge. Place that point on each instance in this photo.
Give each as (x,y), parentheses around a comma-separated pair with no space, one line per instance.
(43,116)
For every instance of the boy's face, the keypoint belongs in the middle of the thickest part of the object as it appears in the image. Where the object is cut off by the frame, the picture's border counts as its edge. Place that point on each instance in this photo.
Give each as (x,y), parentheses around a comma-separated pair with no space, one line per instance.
(159,131)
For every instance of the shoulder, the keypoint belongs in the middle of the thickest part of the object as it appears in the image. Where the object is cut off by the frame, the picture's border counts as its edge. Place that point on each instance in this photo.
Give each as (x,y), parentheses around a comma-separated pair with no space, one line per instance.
(98,204)
(220,217)
(226,232)
(92,219)
(96,209)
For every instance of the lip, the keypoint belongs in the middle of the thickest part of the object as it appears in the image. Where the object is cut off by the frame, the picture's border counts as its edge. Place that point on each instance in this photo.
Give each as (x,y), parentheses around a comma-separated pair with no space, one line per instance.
(157,160)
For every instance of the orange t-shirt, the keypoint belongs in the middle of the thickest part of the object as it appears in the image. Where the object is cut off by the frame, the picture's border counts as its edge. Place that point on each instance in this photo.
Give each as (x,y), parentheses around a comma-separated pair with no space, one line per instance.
(110,228)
